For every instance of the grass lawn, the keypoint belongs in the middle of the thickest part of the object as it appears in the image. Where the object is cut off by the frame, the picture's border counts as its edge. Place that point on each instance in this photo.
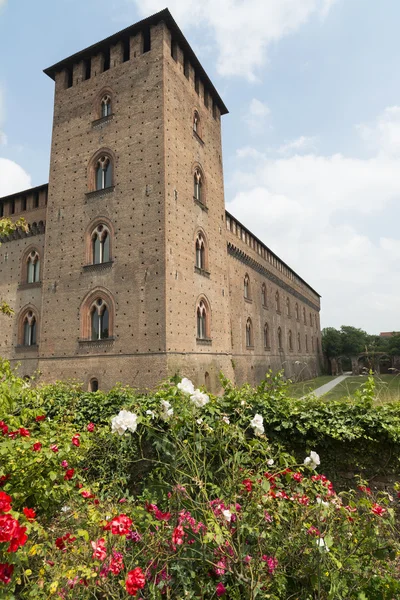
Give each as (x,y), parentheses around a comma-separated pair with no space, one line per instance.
(297,390)
(387,388)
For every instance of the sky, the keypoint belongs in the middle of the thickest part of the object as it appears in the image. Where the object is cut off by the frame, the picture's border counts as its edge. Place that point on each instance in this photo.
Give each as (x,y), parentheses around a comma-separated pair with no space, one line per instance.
(311,143)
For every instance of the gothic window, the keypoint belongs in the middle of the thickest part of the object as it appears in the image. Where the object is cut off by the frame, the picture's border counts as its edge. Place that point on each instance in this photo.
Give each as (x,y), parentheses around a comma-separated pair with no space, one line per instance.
(29,329)
(103,173)
(93,385)
(99,320)
(311,321)
(249,334)
(105,105)
(304,316)
(277,302)
(201,255)
(203,320)
(33,267)
(297,311)
(196,122)
(290,340)
(298,342)
(264,294)
(288,307)
(306,343)
(100,245)
(279,338)
(198,186)
(312,343)
(266,336)
(246,287)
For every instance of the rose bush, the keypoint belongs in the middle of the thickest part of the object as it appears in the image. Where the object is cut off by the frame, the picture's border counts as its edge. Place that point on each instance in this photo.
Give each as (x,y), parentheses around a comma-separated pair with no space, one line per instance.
(180,495)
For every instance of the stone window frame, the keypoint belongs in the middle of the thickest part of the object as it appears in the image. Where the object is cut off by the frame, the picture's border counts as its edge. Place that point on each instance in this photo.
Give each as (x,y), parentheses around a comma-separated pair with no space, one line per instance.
(196,124)
(290,340)
(304,316)
(306,339)
(98,158)
(247,288)
(28,314)
(87,305)
(279,332)
(198,176)
(264,295)
(288,310)
(105,92)
(267,337)
(202,242)
(277,302)
(298,342)
(249,333)
(203,311)
(297,313)
(33,249)
(93,381)
(91,229)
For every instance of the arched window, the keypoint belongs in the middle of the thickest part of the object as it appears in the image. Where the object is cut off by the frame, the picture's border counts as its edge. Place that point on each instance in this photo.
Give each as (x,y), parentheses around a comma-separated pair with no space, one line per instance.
(277,302)
(100,245)
(196,122)
(311,321)
(288,307)
(33,267)
(306,343)
(266,336)
(298,342)
(246,287)
(103,173)
(249,334)
(297,311)
(312,343)
(279,338)
(93,385)
(264,294)
(203,321)
(304,316)
(198,186)
(99,320)
(29,329)
(290,340)
(105,105)
(201,255)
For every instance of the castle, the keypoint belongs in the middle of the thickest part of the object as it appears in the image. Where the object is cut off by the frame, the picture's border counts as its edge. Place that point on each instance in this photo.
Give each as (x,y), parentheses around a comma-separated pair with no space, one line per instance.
(132,270)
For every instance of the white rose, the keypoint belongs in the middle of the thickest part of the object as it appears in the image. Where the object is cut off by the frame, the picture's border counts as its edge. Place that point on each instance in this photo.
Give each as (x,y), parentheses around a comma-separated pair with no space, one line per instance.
(167,410)
(186,386)
(322,502)
(270,462)
(226,420)
(123,421)
(257,424)
(227,515)
(313,460)
(199,398)
(150,412)
(321,544)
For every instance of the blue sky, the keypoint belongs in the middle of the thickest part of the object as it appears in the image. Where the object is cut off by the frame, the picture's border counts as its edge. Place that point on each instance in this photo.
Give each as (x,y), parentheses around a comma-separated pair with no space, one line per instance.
(311,144)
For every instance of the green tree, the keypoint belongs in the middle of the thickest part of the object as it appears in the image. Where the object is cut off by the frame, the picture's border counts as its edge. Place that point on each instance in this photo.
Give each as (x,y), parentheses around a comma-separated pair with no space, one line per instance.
(393,344)
(331,342)
(353,340)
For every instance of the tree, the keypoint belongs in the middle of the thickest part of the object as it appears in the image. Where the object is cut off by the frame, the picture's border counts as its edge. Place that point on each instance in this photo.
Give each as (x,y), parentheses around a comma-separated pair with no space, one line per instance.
(331,342)
(7,227)
(394,345)
(354,340)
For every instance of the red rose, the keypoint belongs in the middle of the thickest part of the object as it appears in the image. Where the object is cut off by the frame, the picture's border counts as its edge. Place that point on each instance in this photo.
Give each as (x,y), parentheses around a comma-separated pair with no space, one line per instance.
(3,427)
(18,540)
(3,479)
(116,564)
(135,581)
(75,440)
(378,510)
(24,432)
(60,542)
(120,525)
(29,513)
(37,447)
(99,548)
(86,494)
(54,447)
(8,528)
(6,572)
(177,536)
(5,502)
(90,427)
(40,418)
(247,484)
(69,474)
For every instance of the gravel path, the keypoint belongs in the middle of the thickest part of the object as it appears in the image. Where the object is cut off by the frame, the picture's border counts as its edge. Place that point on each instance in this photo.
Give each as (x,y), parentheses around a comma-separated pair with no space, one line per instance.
(324,389)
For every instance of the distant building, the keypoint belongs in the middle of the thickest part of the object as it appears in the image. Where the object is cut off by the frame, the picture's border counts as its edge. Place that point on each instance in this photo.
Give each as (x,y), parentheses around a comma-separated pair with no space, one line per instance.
(388,334)
(132,270)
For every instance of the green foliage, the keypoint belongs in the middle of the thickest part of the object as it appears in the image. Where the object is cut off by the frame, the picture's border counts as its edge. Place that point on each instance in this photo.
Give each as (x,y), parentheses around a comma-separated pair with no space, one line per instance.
(210,503)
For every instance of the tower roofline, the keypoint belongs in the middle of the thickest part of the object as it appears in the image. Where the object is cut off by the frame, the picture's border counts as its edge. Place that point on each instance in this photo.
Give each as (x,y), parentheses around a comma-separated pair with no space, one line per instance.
(25,192)
(163,15)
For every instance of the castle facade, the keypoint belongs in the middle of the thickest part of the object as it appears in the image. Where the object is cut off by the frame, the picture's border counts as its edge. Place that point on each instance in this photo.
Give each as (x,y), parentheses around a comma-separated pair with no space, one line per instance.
(132,269)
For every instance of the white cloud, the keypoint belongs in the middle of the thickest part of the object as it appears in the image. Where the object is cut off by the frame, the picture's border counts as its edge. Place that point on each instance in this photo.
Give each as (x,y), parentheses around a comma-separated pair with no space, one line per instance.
(319,213)
(243,29)
(298,146)
(257,115)
(13,178)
